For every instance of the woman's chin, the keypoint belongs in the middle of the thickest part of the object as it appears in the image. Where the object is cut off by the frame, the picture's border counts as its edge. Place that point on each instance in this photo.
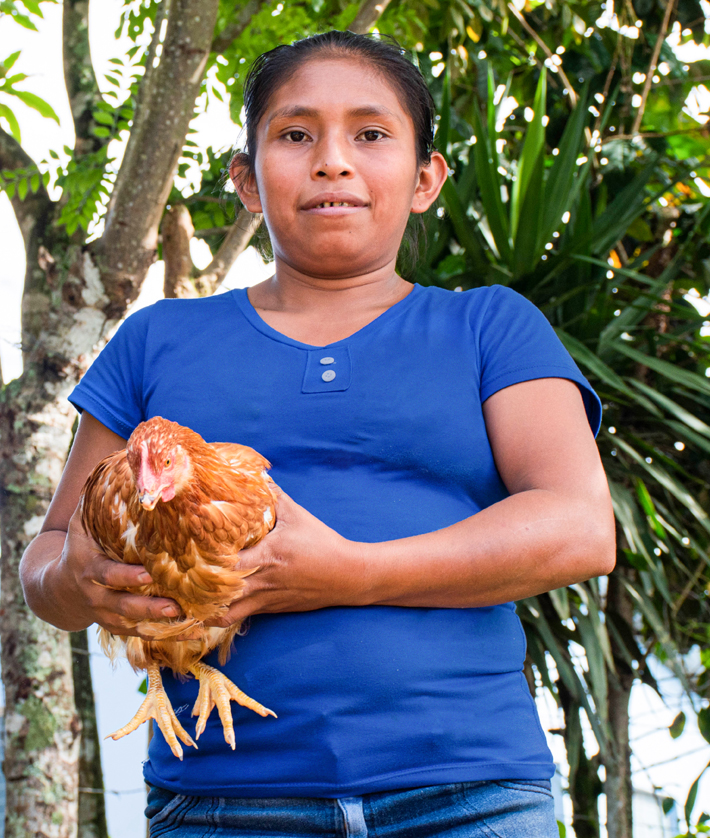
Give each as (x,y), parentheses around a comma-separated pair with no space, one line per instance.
(338,262)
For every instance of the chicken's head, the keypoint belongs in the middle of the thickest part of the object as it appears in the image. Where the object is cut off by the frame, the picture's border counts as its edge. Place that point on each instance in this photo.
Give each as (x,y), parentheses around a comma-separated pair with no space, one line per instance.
(160,463)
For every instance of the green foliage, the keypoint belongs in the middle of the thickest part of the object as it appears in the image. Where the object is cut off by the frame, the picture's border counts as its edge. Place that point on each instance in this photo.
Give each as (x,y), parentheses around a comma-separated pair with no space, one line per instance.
(606,234)
(8,88)
(22,11)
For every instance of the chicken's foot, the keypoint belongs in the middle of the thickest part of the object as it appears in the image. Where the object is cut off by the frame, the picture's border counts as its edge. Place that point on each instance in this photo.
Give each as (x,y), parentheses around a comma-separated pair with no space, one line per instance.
(217,689)
(157,706)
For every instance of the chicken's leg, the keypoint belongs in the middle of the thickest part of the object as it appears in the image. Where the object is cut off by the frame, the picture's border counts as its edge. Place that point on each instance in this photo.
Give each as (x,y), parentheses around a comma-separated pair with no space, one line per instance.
(217,689)
(157,706)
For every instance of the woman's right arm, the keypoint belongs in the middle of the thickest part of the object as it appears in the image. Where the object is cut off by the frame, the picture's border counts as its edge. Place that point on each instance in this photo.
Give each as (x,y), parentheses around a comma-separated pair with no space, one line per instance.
(67,580)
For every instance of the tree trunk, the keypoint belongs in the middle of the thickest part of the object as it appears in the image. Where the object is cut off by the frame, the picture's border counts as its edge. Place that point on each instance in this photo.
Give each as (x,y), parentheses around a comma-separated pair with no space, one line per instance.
(92,807)
(618,786)
(41,724)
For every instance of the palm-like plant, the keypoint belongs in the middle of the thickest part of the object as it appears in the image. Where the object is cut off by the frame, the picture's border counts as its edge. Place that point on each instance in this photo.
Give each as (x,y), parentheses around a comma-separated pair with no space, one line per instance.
(590,244)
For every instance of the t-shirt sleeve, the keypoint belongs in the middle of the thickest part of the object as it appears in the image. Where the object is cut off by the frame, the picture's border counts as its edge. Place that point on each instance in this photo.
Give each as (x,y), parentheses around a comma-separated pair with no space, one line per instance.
(112,388)
(517,343)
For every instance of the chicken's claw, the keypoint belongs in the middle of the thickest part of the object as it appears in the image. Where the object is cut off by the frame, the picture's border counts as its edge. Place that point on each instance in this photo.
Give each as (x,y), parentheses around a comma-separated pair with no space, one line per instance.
(217,689)
(157,706)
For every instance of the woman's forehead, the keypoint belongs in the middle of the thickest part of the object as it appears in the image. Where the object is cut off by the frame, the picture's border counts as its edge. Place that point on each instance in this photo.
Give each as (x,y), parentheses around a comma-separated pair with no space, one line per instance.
(342,82)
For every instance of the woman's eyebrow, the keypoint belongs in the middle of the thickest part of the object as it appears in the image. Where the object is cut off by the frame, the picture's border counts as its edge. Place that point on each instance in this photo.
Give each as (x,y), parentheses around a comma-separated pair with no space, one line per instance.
(292,111)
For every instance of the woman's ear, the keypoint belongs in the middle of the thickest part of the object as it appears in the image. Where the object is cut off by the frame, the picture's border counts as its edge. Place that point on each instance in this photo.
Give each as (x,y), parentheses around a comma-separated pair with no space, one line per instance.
(242,176)
(431,180)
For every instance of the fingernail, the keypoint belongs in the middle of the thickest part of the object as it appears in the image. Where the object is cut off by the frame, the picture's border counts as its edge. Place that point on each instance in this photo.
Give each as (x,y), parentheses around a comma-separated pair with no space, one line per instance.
(170,611)
(144,578)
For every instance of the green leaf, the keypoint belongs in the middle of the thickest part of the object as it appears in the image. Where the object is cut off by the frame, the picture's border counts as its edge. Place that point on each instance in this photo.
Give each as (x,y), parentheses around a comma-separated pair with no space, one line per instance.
(611,225)
(681,413)
(528,248)
(101,131)
(22,186)
(560,600)
(704,723)
(592,362)
(692,795)
(530,158)
(11,121)
(655,620)
(103,117)
(487,175)
(143,686)
(672,372)
(670,483)
(677,725)
(24,21)
(37,103)
(34,182)
(33,7)
(442,133)
(463,227)
(558,189)
(649,508)
(11,59)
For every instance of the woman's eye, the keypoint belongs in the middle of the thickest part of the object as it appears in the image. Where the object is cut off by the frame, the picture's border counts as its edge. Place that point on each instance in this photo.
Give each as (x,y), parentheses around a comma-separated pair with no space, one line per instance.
(296,136)
(372,135)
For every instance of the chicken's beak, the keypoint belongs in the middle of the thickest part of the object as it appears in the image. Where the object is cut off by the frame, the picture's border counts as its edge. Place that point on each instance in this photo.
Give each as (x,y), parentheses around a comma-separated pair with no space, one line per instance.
(149,501)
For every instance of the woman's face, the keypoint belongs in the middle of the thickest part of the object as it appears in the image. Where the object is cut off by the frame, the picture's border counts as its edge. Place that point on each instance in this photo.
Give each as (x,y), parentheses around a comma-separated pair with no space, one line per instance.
(336,173)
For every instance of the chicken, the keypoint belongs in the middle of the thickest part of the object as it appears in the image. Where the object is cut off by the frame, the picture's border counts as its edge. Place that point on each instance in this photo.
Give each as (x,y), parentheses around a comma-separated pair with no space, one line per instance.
(183,509)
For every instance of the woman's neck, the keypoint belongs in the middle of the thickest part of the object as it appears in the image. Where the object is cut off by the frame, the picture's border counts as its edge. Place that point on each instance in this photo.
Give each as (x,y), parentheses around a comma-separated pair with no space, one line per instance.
(322,310)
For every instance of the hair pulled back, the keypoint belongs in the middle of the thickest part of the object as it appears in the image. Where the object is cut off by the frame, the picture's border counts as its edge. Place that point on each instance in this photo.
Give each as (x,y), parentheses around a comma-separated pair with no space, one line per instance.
(382,53)
(275,67)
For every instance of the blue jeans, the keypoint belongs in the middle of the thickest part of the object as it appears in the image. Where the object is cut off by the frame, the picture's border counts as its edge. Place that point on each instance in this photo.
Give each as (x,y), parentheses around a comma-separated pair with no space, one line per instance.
(498,809)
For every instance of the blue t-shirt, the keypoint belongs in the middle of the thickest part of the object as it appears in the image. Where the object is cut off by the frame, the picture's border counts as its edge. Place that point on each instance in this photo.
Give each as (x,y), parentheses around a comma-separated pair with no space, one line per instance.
(393,445)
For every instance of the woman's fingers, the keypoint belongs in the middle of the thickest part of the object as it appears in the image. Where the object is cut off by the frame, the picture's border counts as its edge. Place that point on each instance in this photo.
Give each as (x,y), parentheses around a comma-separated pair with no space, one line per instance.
(116,575)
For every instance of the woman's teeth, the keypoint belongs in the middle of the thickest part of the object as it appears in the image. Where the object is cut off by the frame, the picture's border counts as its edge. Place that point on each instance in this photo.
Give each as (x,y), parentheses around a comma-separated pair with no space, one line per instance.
(335,204)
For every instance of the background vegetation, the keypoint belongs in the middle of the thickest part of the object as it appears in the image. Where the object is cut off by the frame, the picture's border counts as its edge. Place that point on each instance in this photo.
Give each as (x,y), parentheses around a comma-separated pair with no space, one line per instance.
(577,178)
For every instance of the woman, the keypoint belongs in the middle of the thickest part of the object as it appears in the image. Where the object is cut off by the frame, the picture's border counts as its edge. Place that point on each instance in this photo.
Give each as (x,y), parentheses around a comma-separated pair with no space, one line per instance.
(439,462)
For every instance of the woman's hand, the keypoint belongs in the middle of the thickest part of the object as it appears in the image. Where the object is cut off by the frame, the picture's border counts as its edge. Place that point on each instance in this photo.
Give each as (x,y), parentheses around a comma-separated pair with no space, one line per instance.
(301,565)
(89,584)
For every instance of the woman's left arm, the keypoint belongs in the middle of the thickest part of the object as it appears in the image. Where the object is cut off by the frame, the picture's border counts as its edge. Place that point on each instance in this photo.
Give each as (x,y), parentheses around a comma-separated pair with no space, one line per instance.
(555,528)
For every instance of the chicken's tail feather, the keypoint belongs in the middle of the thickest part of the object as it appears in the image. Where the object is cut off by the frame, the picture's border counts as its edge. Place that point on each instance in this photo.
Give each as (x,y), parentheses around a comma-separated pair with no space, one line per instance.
(225,646)
(164,631)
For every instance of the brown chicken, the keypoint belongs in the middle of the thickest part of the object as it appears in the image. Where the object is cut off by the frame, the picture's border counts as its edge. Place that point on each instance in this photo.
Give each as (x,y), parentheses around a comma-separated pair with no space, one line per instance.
(183,509)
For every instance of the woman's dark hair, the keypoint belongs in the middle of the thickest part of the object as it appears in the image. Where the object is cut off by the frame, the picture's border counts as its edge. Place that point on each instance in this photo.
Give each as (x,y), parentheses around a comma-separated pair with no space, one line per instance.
(383,53)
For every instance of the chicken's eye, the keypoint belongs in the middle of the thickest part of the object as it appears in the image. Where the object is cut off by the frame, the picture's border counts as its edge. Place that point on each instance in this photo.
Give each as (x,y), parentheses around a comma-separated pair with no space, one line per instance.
(167,462)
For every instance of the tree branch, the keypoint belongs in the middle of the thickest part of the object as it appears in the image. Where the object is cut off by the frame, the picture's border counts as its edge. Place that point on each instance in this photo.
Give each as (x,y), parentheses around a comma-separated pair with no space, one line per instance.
(144,85)
(79,77)
(368,15)
(237,239)
(35,204)
(652,65)
(128,245)
(538,40)
(234,29)
(177,230)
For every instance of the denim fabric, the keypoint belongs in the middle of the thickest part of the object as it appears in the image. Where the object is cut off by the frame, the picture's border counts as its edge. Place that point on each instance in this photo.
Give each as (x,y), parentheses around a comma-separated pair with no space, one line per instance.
(497,809)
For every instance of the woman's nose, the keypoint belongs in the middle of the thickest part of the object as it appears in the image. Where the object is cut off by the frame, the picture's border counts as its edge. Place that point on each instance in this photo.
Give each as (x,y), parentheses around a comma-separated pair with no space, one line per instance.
(332,159)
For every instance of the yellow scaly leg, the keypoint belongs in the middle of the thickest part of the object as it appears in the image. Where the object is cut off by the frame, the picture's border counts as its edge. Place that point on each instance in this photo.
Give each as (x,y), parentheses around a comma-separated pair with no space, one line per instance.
(157,706)
(217,689)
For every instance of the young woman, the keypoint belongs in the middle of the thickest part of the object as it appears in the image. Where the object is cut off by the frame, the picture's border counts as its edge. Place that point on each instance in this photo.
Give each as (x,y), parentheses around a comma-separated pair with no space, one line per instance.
(437,456)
